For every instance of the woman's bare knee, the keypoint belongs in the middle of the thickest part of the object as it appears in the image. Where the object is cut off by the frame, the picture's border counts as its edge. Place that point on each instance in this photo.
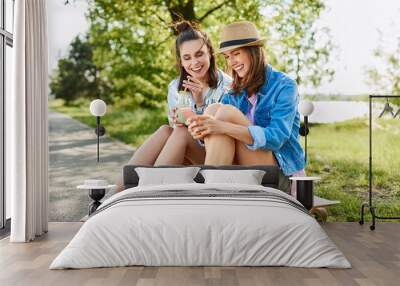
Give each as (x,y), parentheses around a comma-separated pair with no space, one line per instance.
(174,149)
(230,113)
(180,131)
(148,152)
(216,139)
(165,130)
(182,135)
(212,108)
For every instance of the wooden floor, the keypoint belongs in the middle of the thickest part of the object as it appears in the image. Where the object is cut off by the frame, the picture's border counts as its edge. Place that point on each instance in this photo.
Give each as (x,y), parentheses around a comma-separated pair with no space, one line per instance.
(375,256)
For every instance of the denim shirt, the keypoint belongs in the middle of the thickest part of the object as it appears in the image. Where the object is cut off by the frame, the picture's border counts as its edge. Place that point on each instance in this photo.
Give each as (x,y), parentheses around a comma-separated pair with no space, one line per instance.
(210,95)
(276,119)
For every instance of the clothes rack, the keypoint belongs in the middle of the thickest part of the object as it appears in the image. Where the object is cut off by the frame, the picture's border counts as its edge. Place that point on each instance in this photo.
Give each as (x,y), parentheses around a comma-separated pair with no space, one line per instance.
(370,204)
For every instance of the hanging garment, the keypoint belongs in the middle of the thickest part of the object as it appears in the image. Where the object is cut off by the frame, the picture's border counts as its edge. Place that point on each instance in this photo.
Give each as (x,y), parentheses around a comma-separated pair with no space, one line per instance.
(387,108)
(397,113)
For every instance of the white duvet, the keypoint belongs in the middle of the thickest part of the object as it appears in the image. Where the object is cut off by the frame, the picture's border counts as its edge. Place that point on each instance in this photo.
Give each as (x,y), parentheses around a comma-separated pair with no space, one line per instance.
(183,231)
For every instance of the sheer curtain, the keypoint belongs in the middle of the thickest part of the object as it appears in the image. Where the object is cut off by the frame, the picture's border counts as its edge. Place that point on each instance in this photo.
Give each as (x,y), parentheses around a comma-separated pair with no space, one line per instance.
(26,117)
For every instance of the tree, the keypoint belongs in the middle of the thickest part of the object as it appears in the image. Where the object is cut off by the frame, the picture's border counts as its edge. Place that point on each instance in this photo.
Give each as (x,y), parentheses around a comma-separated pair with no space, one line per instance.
(133,40)
(386,79)
(302,47)
(76,75)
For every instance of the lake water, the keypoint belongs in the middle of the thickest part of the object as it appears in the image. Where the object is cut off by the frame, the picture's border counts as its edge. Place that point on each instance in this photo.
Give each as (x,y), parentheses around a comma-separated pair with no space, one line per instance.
(336,111)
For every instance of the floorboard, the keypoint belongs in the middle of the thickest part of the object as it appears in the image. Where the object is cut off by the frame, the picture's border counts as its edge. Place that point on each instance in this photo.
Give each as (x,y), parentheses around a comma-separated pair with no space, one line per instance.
(375,257)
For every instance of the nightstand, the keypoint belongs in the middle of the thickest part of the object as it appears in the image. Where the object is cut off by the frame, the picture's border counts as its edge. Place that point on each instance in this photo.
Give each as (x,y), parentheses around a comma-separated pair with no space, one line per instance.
(305,190)
(97,190)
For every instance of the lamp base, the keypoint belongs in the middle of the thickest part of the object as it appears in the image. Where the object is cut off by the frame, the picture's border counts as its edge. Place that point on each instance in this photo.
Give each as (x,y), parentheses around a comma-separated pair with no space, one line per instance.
(101,131)
(303,130)
(96,195)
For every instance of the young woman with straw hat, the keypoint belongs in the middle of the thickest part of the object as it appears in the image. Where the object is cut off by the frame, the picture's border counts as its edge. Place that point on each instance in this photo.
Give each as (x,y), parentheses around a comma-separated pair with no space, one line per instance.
(257,122)
(202,83)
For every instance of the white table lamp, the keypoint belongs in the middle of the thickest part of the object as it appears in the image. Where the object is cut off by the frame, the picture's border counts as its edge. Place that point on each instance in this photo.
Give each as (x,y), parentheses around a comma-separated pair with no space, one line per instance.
(98,108)
(306,107)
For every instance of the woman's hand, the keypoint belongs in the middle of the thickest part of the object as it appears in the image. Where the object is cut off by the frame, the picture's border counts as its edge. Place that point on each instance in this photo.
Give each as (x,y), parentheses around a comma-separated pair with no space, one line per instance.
(202,125)
(174,117)
(197,88)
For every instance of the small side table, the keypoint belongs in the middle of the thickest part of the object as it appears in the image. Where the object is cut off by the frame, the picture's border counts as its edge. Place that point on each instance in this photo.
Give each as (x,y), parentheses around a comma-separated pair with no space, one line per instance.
(97,190)
(305,190)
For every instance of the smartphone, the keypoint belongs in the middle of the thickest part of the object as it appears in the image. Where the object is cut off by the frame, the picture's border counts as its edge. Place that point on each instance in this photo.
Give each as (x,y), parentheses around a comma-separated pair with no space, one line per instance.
(183,113)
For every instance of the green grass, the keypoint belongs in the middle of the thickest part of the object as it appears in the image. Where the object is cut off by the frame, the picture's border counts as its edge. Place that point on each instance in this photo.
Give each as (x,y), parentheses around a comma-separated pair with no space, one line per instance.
(131,127)
(337,152)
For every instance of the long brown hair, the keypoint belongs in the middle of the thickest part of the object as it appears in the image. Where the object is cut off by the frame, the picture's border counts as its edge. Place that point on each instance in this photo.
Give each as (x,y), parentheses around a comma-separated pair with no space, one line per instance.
(255,77)
(186,32)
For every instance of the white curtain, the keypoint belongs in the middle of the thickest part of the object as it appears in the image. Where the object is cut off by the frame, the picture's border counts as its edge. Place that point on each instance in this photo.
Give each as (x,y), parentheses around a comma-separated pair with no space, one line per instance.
(26,129)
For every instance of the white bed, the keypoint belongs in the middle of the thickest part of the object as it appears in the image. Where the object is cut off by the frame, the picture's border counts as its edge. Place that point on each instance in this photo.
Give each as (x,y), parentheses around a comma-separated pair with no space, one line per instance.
(267,229)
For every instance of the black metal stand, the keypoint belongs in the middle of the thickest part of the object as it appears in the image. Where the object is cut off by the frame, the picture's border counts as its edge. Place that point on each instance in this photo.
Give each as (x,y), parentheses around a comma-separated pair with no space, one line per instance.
(100,131)
(305,137)
(98,135)
(369,204)
(303,131)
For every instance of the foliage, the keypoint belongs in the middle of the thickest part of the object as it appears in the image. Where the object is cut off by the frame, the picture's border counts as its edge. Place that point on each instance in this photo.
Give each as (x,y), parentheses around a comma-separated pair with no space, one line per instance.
(77,76)
(134,40)
(386,80)
(302,48)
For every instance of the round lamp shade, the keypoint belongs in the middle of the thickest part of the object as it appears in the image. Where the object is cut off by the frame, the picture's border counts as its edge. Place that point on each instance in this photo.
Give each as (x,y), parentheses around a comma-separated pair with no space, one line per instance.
(306,107)
(98,107)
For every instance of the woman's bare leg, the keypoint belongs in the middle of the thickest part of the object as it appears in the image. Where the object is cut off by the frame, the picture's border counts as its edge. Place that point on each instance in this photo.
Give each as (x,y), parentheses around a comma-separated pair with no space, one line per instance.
(212,108)
(148,152)
(220,150)
(245,156)
(179,148)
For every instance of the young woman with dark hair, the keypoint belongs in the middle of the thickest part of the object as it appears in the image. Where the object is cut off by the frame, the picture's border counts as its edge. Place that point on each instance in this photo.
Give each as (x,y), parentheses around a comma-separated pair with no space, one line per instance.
(198,74)
(257,122)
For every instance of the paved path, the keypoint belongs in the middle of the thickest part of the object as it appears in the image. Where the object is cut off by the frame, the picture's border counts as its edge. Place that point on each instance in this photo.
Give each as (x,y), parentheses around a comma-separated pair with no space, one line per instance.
(72,159)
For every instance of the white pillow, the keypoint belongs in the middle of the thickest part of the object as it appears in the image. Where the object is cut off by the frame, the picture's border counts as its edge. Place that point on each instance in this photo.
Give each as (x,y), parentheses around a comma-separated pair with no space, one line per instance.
(249,177)
(166,176)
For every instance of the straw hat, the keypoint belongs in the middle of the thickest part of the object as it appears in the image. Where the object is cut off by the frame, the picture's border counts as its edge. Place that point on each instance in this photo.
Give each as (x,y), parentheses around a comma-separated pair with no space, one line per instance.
(239,34)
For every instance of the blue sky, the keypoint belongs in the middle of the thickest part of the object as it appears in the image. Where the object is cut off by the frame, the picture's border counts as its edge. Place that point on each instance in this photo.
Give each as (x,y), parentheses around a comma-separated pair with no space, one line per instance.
(353,25)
